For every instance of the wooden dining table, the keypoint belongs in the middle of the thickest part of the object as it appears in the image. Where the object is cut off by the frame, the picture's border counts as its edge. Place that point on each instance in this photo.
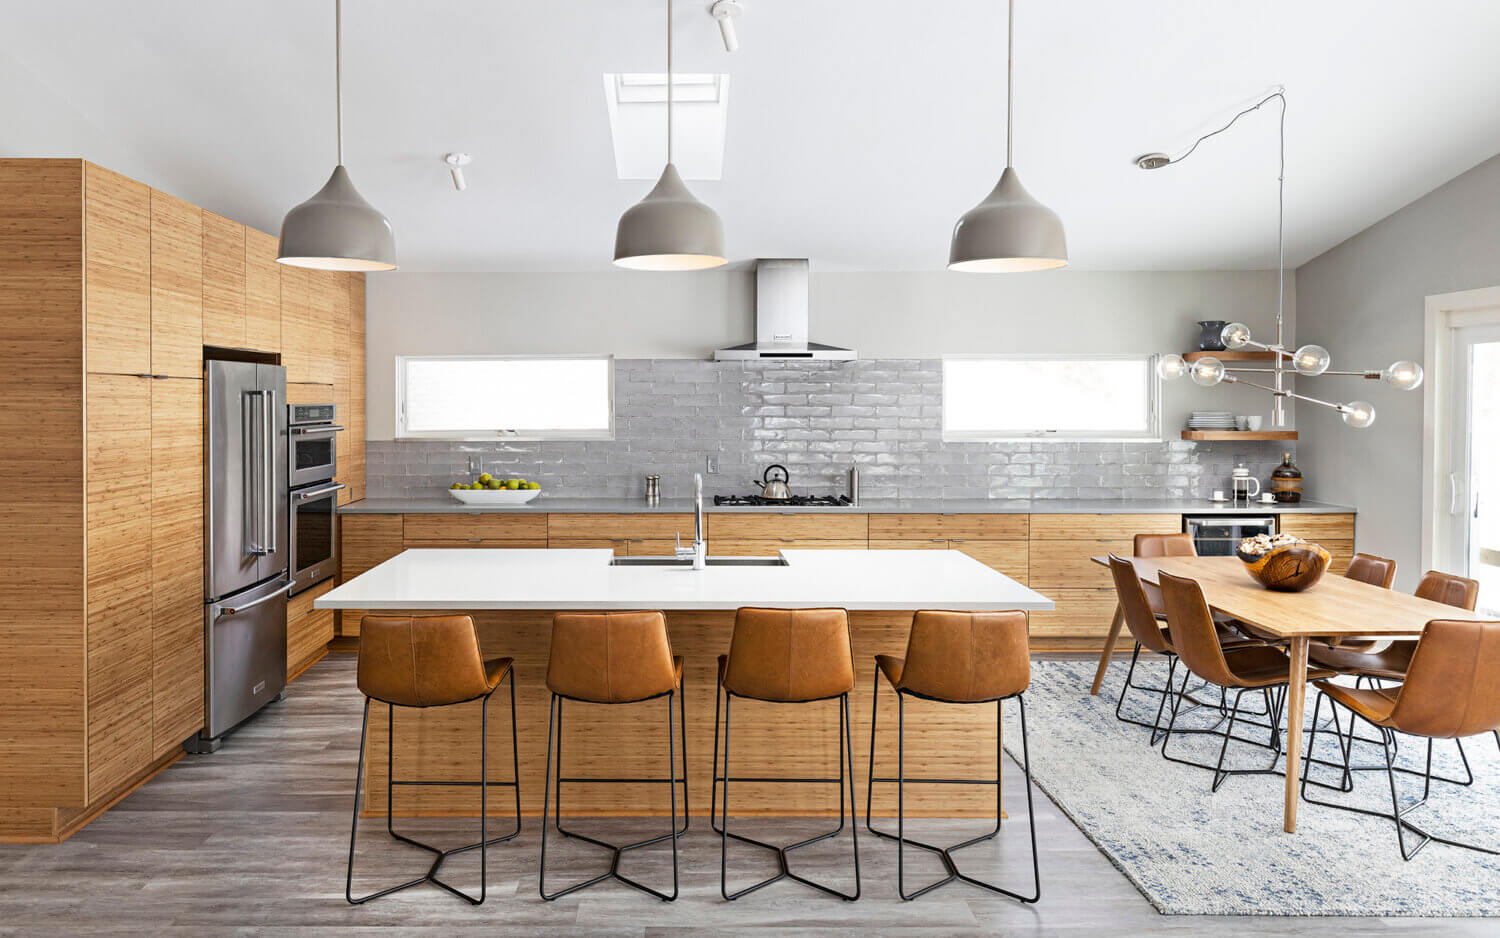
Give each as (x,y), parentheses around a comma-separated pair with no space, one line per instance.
(1335,609)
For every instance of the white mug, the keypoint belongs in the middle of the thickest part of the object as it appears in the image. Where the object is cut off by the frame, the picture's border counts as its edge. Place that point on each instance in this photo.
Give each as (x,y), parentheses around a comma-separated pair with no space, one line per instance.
(1268,496)
(1218,495)
(1242,423)
(1253,423)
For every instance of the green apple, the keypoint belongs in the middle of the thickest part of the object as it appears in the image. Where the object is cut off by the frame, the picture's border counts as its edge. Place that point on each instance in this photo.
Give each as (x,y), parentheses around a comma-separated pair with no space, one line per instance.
(485,477)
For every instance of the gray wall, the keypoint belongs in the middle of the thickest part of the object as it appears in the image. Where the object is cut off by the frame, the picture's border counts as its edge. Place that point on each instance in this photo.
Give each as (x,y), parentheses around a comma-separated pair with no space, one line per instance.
(920,315)
(1364,300)
(817,419)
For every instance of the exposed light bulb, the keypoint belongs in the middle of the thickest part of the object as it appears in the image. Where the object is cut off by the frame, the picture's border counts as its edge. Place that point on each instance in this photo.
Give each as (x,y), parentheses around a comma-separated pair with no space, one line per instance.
(1207,372)
(1171,366)
(1311,360)
(1236,335)
(1403,375)
(1358,414)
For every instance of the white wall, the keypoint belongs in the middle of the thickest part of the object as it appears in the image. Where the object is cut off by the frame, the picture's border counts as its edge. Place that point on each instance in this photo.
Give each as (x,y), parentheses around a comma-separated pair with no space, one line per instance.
(1364,300)
(882,315)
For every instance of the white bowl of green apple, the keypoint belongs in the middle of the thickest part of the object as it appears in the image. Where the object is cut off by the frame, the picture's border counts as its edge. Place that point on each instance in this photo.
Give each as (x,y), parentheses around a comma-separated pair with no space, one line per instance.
(488,490)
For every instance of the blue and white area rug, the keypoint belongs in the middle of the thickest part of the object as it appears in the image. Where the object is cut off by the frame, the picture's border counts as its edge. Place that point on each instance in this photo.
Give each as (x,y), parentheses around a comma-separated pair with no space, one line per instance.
(1192,852)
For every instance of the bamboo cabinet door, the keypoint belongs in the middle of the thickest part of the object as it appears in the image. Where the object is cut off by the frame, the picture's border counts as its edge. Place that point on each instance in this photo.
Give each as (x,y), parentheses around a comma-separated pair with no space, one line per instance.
(176,287)
(299,335)
(355,419)
(176,561)
(117,491)
(223,282)
(262,292)
(117,272)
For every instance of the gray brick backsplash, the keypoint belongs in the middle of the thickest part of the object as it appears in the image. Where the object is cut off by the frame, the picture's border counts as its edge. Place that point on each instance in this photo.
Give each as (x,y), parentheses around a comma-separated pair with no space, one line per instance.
(817,419)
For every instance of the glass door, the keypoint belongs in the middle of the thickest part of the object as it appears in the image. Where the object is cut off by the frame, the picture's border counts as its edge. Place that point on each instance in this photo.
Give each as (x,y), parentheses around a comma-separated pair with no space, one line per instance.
(1474,482)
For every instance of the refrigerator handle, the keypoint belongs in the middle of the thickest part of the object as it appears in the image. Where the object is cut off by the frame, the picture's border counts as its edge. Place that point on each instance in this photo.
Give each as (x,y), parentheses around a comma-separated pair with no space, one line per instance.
(236,610)
(269,469)
(247,473)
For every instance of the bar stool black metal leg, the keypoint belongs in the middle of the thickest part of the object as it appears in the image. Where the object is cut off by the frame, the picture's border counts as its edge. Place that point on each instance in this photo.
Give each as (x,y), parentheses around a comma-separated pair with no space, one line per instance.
(439,855)
(846,776)
(945,854)
(617,851)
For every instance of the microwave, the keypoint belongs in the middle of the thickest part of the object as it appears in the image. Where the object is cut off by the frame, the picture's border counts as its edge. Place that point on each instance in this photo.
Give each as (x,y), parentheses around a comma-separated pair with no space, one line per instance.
(312,444)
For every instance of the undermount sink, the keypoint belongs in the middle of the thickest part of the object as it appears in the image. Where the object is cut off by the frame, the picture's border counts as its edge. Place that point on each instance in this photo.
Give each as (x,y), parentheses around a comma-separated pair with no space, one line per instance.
(688,562)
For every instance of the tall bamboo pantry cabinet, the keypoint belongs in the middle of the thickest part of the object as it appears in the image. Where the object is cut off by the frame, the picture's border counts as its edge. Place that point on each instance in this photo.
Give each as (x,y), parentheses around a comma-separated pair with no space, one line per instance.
(109,290)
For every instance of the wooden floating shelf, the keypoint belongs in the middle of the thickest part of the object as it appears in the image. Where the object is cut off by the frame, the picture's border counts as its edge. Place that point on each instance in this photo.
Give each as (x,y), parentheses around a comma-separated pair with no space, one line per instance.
(1247,435)
(1231,355)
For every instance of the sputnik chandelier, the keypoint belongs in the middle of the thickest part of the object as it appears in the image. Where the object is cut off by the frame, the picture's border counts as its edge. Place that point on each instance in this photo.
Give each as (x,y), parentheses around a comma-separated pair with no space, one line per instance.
(1308,360)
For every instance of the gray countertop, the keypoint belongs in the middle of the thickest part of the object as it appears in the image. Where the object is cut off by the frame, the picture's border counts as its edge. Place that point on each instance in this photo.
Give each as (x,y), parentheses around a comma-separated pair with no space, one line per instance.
(443,504)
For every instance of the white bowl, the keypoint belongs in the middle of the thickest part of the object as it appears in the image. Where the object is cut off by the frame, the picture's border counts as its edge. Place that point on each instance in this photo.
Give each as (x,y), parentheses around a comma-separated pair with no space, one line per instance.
(494,496)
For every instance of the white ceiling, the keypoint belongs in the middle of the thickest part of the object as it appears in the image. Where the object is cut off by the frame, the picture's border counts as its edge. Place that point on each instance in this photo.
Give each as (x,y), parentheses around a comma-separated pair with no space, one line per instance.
(858,131)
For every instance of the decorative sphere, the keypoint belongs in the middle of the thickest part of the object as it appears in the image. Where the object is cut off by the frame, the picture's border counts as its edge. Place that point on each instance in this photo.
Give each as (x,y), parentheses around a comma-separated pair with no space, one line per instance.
(1403,375)
(1359,414)
(1311,360)
(1171,366)
(1207,372)
(1236,335)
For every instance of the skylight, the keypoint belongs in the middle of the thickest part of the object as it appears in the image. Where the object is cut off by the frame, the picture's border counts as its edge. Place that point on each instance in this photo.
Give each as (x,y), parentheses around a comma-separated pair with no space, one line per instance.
(637,105)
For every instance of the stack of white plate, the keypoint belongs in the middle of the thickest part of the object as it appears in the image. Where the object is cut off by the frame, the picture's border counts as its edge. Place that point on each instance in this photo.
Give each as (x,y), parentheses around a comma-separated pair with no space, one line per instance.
(1210,420)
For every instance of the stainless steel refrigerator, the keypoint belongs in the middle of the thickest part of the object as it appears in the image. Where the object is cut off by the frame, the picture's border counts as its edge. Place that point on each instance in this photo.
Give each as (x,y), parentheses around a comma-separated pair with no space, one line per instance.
(245,544)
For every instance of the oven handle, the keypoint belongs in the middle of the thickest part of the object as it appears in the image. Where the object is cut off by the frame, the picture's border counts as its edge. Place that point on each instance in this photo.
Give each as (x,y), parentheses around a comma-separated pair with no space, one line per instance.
(300,431)
(319,493)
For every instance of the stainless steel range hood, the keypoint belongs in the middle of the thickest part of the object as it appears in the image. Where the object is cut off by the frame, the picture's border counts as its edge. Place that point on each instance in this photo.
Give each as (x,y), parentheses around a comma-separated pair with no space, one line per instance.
(781,317)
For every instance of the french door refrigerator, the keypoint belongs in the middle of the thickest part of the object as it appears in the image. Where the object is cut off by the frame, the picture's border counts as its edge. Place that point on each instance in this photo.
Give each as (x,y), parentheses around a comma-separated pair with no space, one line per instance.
(245,544)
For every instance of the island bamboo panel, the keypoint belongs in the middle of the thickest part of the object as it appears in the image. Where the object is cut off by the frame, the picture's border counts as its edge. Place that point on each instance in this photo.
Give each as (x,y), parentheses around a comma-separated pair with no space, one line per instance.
(630,739)
(803,526)
(626,526)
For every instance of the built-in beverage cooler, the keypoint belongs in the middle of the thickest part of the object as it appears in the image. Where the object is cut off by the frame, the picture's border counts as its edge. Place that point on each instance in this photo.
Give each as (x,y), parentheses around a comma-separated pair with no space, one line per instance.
(1219,535)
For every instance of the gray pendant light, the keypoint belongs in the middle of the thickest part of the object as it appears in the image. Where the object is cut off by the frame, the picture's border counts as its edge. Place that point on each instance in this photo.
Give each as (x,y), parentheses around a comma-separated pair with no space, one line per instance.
(337,229)
(669,229)
(1009,231)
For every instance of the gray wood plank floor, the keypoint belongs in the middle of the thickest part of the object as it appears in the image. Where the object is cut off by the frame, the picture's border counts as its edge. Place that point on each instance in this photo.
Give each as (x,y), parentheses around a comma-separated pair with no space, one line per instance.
(253,840)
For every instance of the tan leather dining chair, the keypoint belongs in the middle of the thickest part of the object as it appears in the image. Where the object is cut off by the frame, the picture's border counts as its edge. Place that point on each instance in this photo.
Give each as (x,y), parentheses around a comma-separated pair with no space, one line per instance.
(1391,662)
(420,662)
(1181,545)
(1136,608)
(1450,691)
(1376,571)
(956,658)
(1262,668)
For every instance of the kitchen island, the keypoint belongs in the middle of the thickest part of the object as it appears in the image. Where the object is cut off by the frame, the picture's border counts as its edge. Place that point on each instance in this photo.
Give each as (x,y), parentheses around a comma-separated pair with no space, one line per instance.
(513,594)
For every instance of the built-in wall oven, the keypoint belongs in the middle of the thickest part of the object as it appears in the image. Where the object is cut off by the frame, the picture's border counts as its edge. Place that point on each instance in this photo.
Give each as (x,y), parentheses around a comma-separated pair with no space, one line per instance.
(1219,535)
(312,514)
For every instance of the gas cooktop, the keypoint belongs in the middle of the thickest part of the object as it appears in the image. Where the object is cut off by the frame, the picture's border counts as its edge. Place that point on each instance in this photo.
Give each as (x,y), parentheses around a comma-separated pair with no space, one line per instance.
(794,501)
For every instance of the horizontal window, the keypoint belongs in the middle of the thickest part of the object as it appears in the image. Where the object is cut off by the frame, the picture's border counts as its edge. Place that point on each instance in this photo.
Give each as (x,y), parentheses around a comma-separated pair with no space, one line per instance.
(456,397)
(1057,397)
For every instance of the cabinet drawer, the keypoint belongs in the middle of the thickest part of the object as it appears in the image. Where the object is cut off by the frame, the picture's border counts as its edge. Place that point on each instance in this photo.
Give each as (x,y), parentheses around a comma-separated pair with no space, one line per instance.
(1066,564)
(1011,558)
(307,635)
(463,527)
(991,527)
(489,542)
(1079,613)
(1069,527)
(302,603)
(926,543)
(766,547)
(612,526)
(800,525)
(617,544)
(1342,551)
(1319,527)
(367,541)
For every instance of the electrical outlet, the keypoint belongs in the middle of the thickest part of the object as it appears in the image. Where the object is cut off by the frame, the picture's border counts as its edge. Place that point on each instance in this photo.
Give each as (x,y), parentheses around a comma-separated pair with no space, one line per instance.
(711,465)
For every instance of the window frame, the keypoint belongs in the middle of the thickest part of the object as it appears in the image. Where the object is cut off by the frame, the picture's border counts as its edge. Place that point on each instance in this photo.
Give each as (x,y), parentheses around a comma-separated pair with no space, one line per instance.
(1151,434)
(518,433)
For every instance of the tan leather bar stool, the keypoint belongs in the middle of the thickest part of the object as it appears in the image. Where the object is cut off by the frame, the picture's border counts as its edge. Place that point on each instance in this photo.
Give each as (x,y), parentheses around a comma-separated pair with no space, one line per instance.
(420,662)
(1449,693)
(786,656)
(613,658)
(956,658)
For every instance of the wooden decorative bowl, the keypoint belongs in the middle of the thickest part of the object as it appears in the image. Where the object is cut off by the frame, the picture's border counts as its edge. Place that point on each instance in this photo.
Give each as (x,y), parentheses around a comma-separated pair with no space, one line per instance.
(1289,569)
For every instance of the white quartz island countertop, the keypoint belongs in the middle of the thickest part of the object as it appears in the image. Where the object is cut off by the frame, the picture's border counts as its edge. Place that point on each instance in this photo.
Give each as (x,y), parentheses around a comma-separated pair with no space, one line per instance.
(436,579)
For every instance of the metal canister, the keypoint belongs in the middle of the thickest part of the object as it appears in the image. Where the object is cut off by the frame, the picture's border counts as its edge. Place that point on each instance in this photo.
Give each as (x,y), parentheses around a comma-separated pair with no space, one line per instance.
(854,485)
(653,489)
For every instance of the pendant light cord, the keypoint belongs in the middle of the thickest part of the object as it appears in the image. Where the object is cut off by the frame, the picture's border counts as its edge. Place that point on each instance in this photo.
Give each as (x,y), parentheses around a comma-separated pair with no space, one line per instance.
(1010,72)
(669,81)
(338,73)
